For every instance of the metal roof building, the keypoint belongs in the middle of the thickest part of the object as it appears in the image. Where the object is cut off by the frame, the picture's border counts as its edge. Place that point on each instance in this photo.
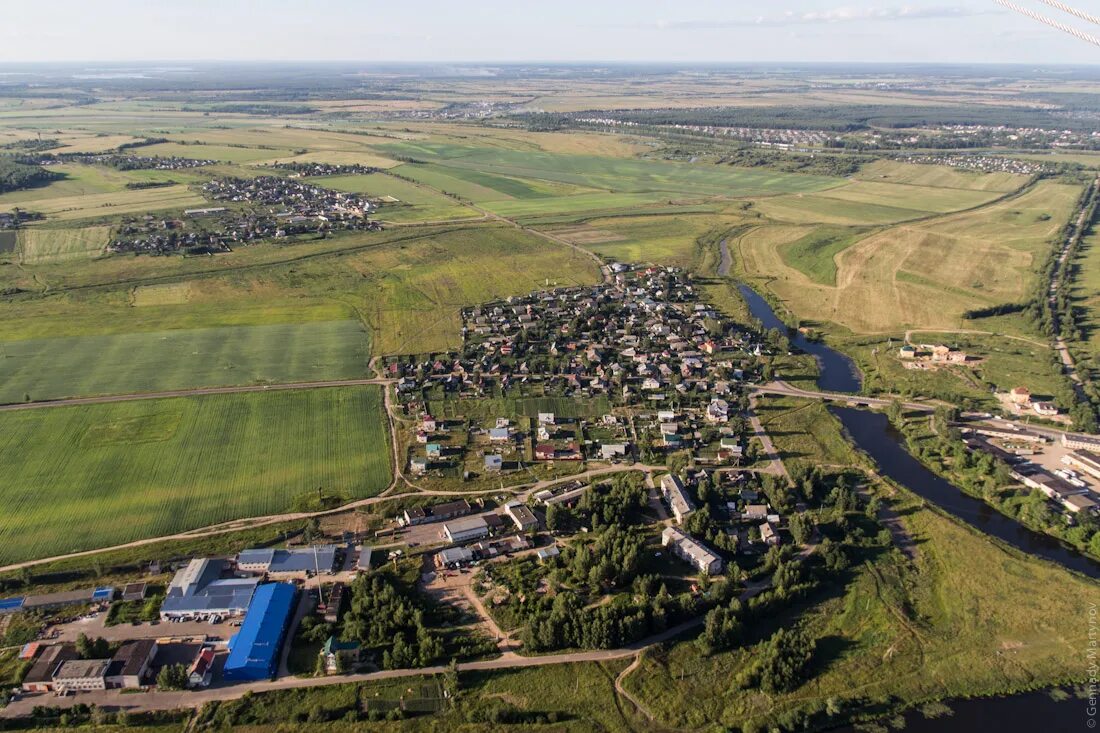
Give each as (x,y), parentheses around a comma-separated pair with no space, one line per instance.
(254,650)
(198,591)
(316,559)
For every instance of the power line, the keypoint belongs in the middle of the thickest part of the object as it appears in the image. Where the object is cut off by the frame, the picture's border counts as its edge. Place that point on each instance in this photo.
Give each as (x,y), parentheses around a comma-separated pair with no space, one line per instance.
(1072,11)
(1051,22)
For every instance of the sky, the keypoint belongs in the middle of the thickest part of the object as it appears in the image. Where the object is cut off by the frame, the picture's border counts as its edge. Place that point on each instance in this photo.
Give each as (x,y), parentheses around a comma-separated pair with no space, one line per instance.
(686,31)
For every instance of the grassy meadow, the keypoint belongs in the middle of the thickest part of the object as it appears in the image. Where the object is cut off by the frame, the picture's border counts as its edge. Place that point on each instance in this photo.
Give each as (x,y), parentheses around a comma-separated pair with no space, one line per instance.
(922,273)
(77,478)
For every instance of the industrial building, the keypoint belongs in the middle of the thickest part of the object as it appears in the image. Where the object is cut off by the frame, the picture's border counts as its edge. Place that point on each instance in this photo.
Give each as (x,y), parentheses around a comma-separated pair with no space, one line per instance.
(39,677)
(78,675)
(198,591)
(254,650)
(46,601)
(130,664)
(525,519)
(437,513)
(317,559)
(464,530)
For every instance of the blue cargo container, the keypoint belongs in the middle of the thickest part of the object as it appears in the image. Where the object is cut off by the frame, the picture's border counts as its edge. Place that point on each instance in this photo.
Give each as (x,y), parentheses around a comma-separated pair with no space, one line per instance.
(11,605)
(254,650)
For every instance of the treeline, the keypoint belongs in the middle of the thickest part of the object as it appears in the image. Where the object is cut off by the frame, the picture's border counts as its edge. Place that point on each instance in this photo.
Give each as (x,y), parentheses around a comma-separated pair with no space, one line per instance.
(848,118)
(383,617)
(15,175)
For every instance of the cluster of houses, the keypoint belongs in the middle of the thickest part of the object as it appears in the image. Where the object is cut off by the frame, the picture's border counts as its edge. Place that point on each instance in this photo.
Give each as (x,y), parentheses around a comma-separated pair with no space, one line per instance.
(1019,400)
(643,340)
(122,161)
(767,137)
(645,335)
(288,195)
(299,169)
(930,356)
(978,163)
(274,208)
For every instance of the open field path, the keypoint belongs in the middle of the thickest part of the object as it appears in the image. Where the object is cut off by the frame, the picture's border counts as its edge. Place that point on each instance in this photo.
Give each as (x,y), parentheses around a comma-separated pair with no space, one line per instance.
(626,693)
(196,392)
(605,271)
(775,465)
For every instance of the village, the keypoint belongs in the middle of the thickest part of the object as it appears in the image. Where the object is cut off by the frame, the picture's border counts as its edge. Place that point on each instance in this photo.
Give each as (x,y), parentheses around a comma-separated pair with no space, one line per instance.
(263,208)
(643,342)
(666,367)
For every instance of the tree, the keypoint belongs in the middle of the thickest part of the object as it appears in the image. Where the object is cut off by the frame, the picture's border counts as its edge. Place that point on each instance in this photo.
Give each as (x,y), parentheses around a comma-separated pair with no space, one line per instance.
(92,648)
(802,528)
(172,677)
(895,411)
(558,518)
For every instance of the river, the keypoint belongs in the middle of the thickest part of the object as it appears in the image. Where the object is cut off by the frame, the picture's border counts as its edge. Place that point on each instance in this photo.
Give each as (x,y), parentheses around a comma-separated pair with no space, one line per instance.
(873,433)
(1024,713)
(837,373)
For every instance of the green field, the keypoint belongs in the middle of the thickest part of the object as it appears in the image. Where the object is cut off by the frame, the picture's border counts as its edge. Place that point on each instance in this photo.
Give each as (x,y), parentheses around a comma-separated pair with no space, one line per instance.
(671,239)
(924,273)
(815,254)
(618,175)
(51,368)
(77,478)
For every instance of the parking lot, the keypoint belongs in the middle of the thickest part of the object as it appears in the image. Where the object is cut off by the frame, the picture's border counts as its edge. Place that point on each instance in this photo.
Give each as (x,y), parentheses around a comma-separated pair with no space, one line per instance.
(94,625)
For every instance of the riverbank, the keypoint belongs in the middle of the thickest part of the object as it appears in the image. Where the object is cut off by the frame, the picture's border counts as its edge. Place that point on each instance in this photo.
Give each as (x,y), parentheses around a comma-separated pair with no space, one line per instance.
(987,480)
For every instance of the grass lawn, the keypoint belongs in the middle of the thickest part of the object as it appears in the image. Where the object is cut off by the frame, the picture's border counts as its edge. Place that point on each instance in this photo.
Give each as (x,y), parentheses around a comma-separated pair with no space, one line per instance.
(804,432)
(165,360)
(77,478)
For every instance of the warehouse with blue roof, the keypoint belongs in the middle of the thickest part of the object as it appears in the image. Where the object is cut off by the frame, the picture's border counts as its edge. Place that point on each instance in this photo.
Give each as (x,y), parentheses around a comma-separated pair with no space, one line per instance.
(254,650)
